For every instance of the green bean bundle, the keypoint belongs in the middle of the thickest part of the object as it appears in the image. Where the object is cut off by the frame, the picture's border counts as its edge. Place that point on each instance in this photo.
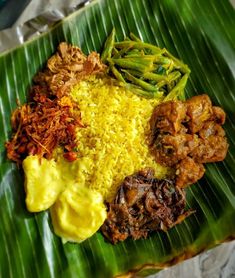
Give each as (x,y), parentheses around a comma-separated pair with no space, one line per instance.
(144,68)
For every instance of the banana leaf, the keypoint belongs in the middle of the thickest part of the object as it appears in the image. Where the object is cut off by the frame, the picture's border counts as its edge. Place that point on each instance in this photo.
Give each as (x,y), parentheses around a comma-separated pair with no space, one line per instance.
(202,34)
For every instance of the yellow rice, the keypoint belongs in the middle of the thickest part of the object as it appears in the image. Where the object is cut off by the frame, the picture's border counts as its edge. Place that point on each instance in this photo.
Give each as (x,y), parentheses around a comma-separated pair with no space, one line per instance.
(113,145)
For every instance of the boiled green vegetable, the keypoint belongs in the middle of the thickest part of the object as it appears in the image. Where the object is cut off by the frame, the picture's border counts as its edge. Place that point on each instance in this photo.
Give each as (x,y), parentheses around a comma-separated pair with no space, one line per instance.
(146,86)
(108,47)
(148,67)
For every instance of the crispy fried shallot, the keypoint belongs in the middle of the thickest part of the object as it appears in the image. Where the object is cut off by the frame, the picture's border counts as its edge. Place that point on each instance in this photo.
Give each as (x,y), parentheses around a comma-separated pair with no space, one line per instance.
(43,124)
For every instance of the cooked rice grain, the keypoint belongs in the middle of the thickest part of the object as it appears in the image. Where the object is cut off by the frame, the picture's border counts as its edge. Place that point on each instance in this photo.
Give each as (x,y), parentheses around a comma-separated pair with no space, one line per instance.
(113,145)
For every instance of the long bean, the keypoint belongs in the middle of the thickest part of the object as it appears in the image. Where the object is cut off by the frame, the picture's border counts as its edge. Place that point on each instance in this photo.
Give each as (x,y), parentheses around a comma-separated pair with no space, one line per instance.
(149,75)
(114,51)
(173,76)
(144,68)
(139,45)
(108,46)
(117,74)
(184,68)
(120,53)
(135,38)
(138,63)
(146,86)
(143,93)
(178,89)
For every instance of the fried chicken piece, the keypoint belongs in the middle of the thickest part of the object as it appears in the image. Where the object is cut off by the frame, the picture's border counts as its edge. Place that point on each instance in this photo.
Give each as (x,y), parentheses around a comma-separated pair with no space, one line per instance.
(213,145)
(212,149)
(188,172)
(169,150)
(199,110)
(167,117)
(187,134)
(211,128)
(219,115)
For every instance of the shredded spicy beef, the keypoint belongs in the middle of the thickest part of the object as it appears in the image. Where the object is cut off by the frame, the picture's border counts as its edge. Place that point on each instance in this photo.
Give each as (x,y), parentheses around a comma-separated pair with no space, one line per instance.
(144,204)
(66,67)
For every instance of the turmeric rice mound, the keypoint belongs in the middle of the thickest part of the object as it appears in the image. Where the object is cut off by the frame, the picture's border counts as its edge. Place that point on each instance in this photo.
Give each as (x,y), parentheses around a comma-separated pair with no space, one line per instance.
(113,144)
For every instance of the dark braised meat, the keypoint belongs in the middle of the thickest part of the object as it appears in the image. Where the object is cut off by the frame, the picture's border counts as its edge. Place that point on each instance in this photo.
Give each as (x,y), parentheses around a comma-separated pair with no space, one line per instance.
(144,204)
(188,136)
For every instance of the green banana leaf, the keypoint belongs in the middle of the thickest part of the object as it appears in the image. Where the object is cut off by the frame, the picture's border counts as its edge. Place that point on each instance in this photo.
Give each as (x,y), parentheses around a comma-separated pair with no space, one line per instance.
(202,34)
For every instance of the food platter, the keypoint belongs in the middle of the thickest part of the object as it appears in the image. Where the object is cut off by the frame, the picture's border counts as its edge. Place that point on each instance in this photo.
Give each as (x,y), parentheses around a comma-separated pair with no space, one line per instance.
(206,45)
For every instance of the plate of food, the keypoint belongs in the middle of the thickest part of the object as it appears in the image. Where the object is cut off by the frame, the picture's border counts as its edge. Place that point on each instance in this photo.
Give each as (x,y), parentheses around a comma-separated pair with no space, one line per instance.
(117,149)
